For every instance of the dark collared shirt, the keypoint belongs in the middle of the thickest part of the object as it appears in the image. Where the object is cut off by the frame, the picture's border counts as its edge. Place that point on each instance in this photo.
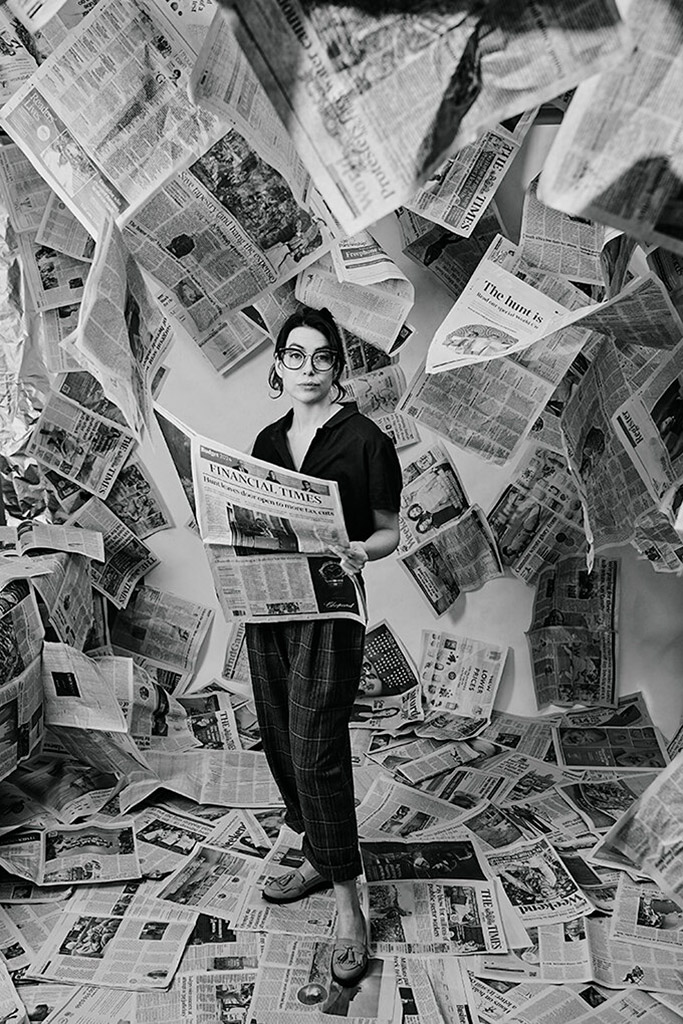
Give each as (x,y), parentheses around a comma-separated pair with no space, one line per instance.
(350,449)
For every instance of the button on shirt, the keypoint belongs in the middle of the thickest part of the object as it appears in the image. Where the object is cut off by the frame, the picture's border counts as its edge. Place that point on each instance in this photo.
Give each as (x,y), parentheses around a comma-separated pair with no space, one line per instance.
(350,449)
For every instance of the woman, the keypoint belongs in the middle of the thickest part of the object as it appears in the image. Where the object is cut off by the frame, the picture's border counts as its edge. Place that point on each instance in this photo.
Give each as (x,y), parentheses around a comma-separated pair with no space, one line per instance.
(306,675)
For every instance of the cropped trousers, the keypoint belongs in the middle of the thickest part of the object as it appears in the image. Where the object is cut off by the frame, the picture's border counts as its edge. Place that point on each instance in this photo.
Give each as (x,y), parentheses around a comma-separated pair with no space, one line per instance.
(305,677)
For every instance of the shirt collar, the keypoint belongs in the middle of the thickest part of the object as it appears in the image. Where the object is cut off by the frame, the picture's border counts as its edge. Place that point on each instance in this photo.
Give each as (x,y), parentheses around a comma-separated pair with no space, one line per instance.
(280,427)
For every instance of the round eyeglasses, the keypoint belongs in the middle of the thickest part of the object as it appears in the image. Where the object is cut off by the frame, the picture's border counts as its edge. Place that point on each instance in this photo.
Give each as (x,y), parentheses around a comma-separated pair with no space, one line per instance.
(293,358)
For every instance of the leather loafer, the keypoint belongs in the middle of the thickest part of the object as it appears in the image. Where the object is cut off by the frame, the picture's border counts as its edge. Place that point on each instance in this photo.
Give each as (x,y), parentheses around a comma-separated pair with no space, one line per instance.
(349,961)
(293,886)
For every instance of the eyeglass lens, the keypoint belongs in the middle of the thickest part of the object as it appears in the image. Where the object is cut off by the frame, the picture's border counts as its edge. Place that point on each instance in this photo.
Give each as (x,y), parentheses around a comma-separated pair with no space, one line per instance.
(294,359)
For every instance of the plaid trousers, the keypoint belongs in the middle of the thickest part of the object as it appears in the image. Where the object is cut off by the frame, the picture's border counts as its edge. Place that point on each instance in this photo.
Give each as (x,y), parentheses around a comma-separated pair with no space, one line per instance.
(306,677)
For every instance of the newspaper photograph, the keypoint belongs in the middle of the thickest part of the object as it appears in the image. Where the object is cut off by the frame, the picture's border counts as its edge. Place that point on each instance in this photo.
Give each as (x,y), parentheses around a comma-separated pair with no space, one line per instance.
(460,189)
(432,496)
(538,519)
(137,501)
(456,918)
(164,840)
(210,881)
(377,394)
(609,746)
(154,718)
(602,802)
(202,999)
(406,860)
(573,665)
(211,718)
(294,982)
(127,558)
(460,676)
(72,854)
(21,629)
(645,914)
(82,446)
(538,884)
(53,279)
(568,595)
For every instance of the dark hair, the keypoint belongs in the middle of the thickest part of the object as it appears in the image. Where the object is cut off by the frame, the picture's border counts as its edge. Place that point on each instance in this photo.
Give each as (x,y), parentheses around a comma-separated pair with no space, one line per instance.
(323,321)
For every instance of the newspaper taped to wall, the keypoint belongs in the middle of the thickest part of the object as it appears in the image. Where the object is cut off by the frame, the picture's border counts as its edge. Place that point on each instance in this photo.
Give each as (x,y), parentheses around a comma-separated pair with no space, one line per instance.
(389,692)
(127,559)
(335,80)
(538,519)
(373,312)
(616,157)
(432,496)
(459,191)
(377,395)
(97,164)
(572,664)
(650,426)
(81,445)
(460,678)
(461,556)
(568,594)
(122,335)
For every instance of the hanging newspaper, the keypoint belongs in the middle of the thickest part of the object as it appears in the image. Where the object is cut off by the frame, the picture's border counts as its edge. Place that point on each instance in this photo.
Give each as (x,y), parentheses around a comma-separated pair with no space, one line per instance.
(68,596)
(344,80)
(377,394)
(459,191)
(451,258)
(460,557)
(389,693)
(273,537)
(62,231)
(616,156)
(433,495)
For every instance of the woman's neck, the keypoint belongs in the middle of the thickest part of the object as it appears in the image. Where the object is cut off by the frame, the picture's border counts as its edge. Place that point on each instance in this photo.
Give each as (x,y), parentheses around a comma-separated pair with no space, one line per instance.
(309,417)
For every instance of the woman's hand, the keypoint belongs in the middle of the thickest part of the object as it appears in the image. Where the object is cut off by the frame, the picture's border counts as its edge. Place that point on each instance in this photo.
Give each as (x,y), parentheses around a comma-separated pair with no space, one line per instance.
(353,558)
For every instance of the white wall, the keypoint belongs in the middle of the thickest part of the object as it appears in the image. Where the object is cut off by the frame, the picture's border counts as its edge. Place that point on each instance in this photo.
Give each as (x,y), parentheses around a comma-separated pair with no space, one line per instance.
(232,410)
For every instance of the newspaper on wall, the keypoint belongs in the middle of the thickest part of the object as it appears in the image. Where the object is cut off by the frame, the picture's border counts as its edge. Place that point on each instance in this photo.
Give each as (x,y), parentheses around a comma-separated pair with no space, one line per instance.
(567,594)
(335,82)
(21,713)
(137,501)
(608,160)
(432,496)
(127,558)
(450,257)
(377,394)
(24,191)
(573,664)
(459,191)
(81,445)
(538,518)
(460,557)
(460,678)
(53,279)
(67,594)
(61,230)
(389,692)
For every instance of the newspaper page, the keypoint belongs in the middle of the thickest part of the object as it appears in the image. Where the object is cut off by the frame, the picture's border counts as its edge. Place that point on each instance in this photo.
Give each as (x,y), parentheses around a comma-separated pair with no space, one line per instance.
(82,446)
(432,496)
(437,860)
(391,809)
(127,559)
(461,556)
(214,946)
(450,257)
(53,327)
(573,664)
(90,1004)
(568,595)
(202,999)
(211,880)
(360,357)
(154,718)
(137,501)
(448,755)
(21,712)
(83,388)
(377,394)
(211,718)
(113,941)
(437,989)
(77,694)
(31,534)
(98,148)
(122,335)
(165,840)
(538,518)
(52,278)
(335,82)
(61,230)
(608,746)
(538,884)
(645,914)
(374,312)
(524,775)
(65,790)
(604,162)
(24,191)
(72,854)
(21,629)
(238,778)
(389,693)
(526,735)
(459,191)
(162,627)
(648,834)
(650,427)
(459,917)
(459,676)
(563,245)
(294,983)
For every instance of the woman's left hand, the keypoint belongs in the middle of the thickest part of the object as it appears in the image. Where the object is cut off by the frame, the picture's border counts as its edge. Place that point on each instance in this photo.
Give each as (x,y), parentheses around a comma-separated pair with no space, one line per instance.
(354,558)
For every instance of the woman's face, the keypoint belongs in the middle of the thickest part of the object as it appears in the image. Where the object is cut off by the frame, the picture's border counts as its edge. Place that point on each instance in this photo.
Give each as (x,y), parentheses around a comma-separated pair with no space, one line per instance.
(306,385)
